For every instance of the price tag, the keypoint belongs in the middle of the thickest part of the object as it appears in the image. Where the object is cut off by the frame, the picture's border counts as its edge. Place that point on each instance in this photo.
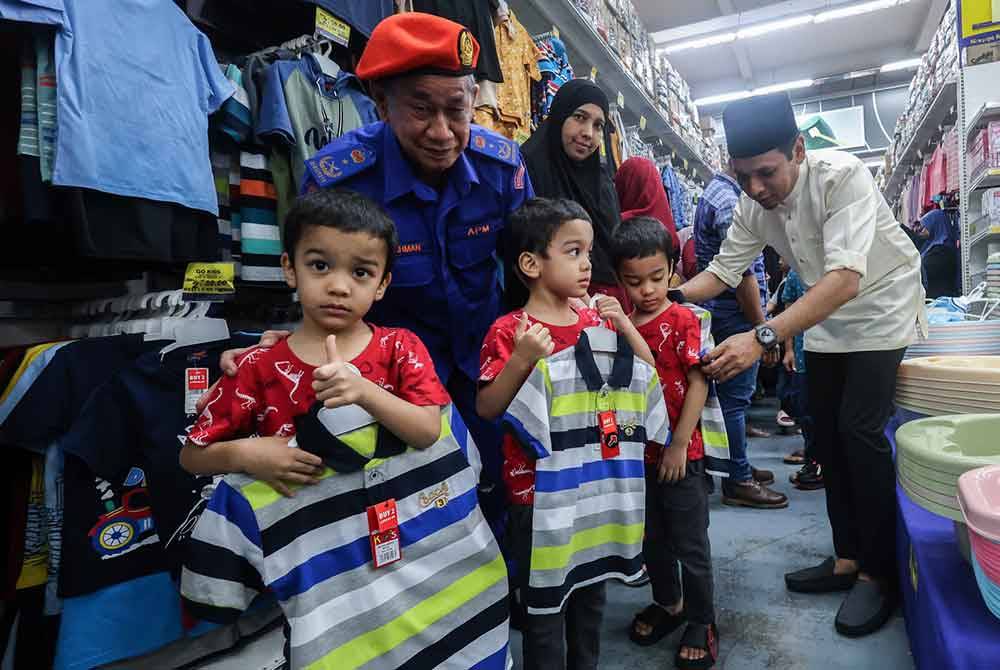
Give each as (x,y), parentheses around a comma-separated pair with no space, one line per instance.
(383,529)
(620,100)
(332,28)
(593,74)
(195,385)
(607,424)
(209,282)
(642,123)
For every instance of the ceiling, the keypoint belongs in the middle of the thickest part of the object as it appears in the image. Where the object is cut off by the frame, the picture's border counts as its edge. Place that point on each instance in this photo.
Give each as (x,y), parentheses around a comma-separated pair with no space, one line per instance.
(808,51)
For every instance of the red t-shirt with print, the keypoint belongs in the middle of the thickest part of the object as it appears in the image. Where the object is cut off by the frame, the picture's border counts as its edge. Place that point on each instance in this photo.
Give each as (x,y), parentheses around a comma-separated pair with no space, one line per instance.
(272,386)
(518,470)
(674,337)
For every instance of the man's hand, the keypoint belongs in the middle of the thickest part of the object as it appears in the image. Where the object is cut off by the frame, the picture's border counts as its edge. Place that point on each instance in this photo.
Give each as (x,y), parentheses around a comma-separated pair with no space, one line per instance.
(772,357)
(673,463)
(611,310)
(228,362)
(336,384)
(789,360)
(271,460)
(732,357)
(531,344)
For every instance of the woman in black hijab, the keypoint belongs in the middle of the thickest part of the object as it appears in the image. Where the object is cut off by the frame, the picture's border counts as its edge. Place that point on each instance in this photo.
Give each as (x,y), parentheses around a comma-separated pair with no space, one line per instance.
(563,162)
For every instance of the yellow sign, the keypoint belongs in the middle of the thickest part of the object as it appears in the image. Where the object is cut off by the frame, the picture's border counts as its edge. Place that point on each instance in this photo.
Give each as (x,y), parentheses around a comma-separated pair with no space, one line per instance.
(978,22)
(642,123)
(593,74)
(332,28)
(620,100)
(209,281)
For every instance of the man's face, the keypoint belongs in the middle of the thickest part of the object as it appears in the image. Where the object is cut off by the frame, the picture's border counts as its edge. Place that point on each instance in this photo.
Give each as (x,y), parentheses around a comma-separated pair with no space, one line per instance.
(430,116)
(769,178)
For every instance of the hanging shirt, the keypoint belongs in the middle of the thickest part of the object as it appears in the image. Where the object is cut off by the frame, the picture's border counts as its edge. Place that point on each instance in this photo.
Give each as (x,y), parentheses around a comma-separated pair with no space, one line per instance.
(677,196)
(835,218)
(442,604)
(518,470)
(445,281)
(589,511)
(130,124)
(519,63)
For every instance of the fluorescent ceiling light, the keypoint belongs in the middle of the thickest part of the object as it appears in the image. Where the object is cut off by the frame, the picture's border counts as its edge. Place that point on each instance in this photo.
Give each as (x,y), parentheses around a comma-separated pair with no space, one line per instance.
(725,97)
(763,90)
(701,42)
(775,88)
(781,24)
(857,10)
(874,164)
(907,64)
(773,26)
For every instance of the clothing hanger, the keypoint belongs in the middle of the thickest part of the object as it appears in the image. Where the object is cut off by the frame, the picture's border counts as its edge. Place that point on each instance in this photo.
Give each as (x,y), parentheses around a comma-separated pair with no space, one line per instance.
(196,328)
(602,339)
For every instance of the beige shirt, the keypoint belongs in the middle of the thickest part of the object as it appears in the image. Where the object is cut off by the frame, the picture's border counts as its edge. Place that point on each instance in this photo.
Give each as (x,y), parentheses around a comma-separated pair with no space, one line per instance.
(836,218)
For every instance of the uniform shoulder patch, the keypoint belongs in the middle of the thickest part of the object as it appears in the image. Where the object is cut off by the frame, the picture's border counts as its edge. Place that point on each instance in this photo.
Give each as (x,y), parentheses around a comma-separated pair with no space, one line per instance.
(330,167)
(494,146)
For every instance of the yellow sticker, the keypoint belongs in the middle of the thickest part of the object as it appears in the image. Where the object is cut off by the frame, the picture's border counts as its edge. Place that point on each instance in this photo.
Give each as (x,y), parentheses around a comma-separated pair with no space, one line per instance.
(332,28)
(593,73)
(555,32)
(211,282)
(620,100)
(642,123)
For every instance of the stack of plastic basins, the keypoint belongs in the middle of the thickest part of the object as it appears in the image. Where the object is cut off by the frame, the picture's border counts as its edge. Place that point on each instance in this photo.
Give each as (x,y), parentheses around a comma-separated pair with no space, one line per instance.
(959,338)
(940,385)
(979,497)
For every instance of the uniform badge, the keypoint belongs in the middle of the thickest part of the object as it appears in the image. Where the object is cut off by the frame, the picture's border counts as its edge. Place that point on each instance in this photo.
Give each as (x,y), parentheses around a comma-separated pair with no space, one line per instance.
(479,141)
(327,165)
(519,178)
(437,496)
(358,156)
(465,49)
(629,428)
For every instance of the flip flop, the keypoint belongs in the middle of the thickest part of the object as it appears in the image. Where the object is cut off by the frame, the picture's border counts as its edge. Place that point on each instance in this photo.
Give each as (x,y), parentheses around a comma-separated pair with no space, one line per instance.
(699,636)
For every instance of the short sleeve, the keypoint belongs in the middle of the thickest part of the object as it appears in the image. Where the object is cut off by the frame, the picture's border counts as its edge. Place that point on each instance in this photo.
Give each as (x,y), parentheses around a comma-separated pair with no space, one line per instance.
(527,417)
(412,371)
(657,422)
(220,88)
(230,410)
(495,352)
(851,222)
(739,249)
(688,347)
(275,117)
(224,560)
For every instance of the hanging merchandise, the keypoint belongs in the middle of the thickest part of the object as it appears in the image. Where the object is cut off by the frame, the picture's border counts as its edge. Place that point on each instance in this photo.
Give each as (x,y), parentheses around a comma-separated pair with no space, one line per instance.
(519,62)
(477,17)
(677,194)
(554,66)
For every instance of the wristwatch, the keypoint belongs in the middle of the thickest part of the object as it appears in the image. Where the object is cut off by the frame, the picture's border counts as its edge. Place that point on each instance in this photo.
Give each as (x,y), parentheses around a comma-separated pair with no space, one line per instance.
(676,295)
(766,336)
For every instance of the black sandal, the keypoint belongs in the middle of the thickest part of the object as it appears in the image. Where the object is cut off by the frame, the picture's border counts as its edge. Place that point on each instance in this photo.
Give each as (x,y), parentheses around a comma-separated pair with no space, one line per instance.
(660,620)
(699,636)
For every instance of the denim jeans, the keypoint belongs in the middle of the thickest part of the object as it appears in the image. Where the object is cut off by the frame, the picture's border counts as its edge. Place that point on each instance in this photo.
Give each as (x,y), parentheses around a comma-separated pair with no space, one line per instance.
(735,396)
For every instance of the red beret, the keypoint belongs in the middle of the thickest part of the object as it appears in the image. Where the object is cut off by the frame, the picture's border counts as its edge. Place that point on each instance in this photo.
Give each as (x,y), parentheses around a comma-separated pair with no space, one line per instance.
(418,43)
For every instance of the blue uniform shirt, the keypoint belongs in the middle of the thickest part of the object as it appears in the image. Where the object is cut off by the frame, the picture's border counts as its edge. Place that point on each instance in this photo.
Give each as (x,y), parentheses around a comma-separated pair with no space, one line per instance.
(445,283)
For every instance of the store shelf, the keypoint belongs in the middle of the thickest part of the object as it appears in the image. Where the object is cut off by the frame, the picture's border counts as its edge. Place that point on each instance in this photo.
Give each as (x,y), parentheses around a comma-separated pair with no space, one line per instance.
(587,50)
(988,112)
(986,179)
(942,108)
(980,230)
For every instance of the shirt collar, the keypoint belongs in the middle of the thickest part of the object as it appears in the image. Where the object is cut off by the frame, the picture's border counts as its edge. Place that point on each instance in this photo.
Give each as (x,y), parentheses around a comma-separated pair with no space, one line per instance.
(400,179)
(621,368)
(800,184)
(729,180)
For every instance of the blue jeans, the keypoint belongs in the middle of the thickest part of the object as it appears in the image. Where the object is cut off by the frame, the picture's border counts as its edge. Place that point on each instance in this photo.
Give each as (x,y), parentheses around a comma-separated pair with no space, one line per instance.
(735,396)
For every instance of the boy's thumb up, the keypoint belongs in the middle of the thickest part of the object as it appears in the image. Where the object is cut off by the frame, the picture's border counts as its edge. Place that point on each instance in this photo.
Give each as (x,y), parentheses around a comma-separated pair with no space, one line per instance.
(522,326)
(332,355)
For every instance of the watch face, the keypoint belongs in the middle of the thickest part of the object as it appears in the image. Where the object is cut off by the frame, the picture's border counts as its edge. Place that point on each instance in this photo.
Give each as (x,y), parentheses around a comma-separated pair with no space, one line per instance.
(766,336)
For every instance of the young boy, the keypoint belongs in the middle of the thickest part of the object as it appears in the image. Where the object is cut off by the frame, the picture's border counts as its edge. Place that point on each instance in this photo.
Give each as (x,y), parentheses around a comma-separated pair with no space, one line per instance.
(676,487)
(383,532)
(552,244)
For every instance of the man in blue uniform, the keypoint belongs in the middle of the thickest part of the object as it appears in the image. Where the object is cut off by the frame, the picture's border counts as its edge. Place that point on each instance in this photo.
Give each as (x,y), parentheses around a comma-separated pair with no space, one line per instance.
(448,185)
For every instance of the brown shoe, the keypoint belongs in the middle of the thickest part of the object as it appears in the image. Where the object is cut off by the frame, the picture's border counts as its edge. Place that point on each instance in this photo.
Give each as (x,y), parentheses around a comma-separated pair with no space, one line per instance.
(754,431)
(752,494)
(762,477)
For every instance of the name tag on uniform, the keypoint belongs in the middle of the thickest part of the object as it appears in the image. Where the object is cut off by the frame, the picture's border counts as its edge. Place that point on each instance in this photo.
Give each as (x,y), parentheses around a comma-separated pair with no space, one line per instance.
(383,530)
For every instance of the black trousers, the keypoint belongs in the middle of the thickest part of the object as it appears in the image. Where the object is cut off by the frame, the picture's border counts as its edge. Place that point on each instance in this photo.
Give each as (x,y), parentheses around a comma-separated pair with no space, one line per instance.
(851,399)
(677,532)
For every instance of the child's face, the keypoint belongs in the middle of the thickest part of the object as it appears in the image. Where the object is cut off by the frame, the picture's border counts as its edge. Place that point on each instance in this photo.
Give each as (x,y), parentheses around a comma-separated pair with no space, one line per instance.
(565,269)
(337,275)
(647,280)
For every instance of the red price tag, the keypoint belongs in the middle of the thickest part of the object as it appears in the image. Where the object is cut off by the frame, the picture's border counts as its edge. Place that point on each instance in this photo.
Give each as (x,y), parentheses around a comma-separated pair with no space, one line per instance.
(197,379)
(608,426)
(383,529)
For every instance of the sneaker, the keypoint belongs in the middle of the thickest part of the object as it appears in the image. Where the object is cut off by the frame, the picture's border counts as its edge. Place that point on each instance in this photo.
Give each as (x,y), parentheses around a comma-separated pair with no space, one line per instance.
(752,494)
(808,478)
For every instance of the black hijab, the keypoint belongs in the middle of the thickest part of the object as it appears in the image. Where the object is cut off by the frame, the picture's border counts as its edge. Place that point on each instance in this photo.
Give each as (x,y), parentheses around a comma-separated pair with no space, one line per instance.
(555,175)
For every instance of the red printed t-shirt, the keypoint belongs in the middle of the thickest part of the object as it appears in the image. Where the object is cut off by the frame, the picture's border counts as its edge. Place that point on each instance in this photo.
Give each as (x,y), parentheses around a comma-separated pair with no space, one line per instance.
(674,337)
(272,386)
(519,470)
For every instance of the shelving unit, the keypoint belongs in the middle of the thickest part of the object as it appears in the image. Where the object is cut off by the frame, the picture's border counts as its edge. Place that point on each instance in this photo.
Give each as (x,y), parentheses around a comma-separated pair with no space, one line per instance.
(987,112)
(587,50)
(985,179)
(940,113)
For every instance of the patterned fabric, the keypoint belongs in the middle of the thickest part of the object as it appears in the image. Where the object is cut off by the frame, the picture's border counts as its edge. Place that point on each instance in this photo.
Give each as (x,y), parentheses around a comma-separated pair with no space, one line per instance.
(713,423)
(555,68)
(518,469)
(677,195)
(588,515)
(519,63)
(712,220)
(260,235)
(444,604)
(272,386)
(37,136)
(793,291)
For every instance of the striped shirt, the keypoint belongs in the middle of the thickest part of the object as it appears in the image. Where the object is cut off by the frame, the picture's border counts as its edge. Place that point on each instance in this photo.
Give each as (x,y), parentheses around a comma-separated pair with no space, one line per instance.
(443,605)
(588,518)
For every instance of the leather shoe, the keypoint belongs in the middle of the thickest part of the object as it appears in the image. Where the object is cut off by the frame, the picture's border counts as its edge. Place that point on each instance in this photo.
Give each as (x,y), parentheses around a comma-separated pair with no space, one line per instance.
(865,609)
(820,579)
(752,494)
(762,477)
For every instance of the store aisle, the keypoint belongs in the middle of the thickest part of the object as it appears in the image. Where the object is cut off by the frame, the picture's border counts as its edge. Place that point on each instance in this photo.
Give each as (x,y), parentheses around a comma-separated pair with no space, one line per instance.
(761,624)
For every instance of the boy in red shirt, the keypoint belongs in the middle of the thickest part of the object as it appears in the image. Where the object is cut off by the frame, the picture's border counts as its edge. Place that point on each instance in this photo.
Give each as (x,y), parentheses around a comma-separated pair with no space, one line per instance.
(552,242)
(339,249)
(676,487)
